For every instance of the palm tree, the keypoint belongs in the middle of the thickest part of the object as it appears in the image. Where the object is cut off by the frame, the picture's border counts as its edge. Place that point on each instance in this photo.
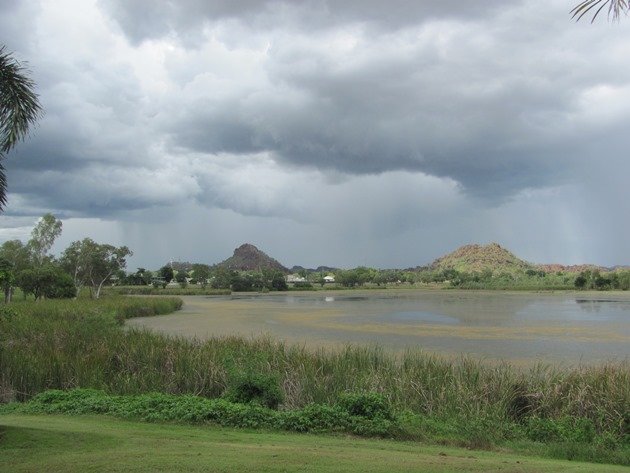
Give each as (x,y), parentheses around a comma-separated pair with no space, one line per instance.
(19,109)
(615,8)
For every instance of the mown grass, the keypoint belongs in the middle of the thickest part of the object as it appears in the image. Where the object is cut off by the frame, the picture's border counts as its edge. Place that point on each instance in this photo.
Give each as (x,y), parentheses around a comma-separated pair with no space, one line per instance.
(571,413)
(89,443)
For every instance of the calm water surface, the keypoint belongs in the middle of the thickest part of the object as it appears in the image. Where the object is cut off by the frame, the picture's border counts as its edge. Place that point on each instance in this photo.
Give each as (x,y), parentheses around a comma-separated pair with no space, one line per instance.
(567,327)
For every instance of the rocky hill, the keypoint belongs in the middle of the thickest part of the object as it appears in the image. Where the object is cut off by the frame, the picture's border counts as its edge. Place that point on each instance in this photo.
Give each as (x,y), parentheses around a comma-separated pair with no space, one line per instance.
(576,268)
(479,258)
(248,258)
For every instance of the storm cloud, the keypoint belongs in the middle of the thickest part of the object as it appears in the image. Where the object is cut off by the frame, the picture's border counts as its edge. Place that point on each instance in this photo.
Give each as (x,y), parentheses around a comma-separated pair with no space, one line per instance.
(428,124)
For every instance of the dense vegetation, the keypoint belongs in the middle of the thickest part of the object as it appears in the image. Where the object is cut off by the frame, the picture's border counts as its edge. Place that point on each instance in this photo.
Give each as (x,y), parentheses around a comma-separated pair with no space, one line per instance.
(581,413)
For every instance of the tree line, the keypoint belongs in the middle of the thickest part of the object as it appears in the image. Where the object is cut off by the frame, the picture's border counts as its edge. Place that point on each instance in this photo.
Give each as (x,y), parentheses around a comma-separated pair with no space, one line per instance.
(30,266)
(217,277)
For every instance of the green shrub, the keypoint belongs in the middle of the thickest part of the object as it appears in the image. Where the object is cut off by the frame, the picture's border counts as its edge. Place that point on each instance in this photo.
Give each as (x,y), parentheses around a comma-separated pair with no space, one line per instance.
(255,387)
(565,429)
(7,313)
(316,418)
(376,427)
(543,430)
(368,404)
(62,288)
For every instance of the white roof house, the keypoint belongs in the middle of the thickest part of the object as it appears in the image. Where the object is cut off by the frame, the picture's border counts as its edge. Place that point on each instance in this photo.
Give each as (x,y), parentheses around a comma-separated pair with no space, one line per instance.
(293,278)
(329,278)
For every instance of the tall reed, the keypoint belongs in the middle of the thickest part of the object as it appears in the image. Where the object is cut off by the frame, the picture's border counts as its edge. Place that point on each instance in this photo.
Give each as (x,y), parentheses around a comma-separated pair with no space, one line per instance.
(74,344)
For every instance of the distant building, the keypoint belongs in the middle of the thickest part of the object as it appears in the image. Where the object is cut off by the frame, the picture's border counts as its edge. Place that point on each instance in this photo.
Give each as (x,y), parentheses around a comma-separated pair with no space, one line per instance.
(329,279)
(293,278)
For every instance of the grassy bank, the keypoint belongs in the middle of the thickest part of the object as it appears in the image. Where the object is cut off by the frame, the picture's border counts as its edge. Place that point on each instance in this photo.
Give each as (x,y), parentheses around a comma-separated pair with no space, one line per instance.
(78,444)
(574,413)
(167,291)
(360,414)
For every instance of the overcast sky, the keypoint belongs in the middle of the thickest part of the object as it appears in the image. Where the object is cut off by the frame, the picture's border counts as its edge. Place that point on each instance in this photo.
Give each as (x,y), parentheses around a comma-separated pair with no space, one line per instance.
(344,133)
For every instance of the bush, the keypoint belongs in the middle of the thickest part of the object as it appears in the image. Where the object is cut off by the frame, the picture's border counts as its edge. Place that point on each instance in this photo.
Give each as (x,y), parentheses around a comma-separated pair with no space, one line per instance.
(255,387)
(302,285)
(369,405)
(316,418)
(377,427)
(565,429)
(62,287)
(7,313)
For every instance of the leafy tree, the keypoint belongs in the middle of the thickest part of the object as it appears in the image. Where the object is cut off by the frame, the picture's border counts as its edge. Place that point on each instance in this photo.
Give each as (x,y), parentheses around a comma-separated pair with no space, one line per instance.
(92,263)
(240,282)
(365,275)
(61,287)
(142,277)
(278,281)
(592,279)
(7,279)
(601,282)
(615,8)
(105,261)
(47,280)
(247,281)
(32,255)
(273,279)
(182,278)
(16,253)
(623,280)
(222,278)
(347,278)
(17,258)
(19,109)
(43,237)
(76,261)
(201,272)
(166,273)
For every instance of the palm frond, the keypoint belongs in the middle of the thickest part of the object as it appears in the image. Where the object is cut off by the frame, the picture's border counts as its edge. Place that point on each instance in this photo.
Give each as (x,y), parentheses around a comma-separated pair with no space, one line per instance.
(615,8)
(3,186)
(19,104)
(19,109)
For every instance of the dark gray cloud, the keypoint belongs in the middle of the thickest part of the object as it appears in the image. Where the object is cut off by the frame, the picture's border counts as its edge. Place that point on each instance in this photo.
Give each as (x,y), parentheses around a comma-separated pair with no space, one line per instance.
(364,131)
(461,108)
(148,19)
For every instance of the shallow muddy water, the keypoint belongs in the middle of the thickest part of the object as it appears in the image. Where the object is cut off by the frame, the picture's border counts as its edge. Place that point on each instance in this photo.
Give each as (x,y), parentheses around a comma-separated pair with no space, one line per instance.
(566,327)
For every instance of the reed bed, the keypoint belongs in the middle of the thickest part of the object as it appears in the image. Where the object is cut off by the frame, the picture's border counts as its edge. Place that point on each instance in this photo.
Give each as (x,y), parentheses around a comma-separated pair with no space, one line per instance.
(81,344)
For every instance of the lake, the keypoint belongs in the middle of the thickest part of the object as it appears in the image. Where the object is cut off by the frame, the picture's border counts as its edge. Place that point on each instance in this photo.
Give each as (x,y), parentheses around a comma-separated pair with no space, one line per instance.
(550,327)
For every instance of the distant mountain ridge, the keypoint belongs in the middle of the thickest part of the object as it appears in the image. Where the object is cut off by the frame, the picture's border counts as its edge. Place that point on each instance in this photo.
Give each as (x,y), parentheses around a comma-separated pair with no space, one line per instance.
(466,259)
(575,268)
(249,258)
(478,258)
(319,269)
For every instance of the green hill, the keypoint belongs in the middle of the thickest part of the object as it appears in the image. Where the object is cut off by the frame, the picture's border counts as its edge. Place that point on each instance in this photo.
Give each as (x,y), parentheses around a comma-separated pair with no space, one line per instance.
(480,258)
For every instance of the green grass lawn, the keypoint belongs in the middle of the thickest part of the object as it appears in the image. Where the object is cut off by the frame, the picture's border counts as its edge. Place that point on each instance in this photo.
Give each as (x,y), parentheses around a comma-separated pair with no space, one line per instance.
(82,444)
